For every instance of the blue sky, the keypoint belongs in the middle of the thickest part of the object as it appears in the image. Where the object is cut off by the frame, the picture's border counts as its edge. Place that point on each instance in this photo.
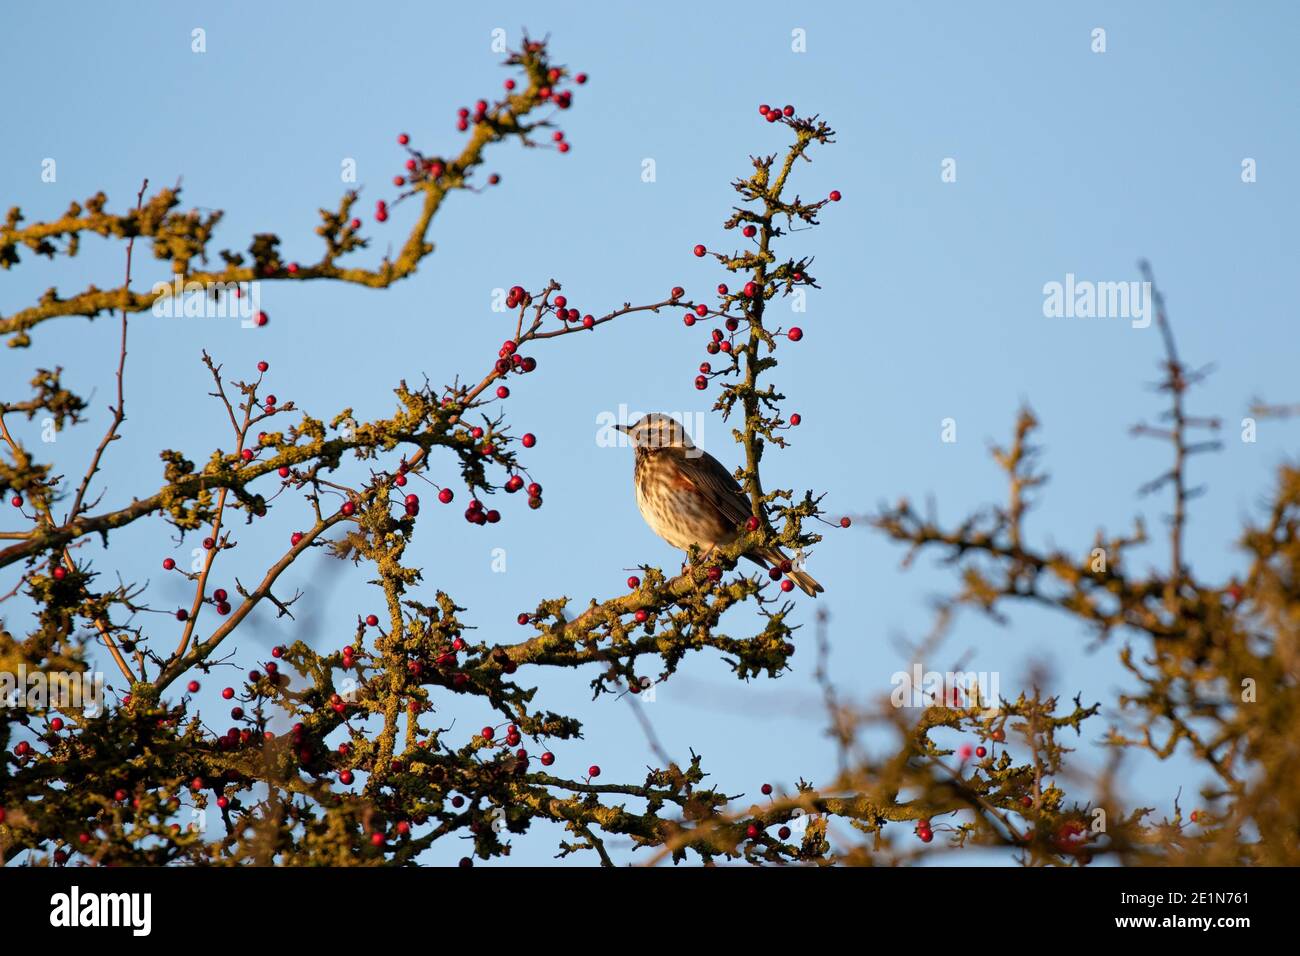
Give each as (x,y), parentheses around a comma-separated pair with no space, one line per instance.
(1068,161)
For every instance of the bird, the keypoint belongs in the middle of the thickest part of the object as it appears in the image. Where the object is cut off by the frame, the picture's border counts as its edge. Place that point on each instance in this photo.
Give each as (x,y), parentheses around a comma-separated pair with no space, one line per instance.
(688,498)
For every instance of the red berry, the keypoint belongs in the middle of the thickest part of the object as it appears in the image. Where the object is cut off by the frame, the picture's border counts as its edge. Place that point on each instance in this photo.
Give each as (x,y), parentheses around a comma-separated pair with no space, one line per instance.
(767,789)
(503,392)
(749,232)
(219,595)
(372,620)
(763,108)
(751,290)
(701,310)
(689,319)
(182,614)
(228,693)
(580,78)
(510,84)
(403,139)
(787,585)
(354,225)
(263,366)
(845,522)
(381,215)
(261,319)
(795,419)
(752,831)
(593,771)
(193,686)
(835,195)
(487,733)
(700,251)
(642,615)
(348,508)
(701,382)
(964,751)
(788,111)
(751,523)
(980,751)
(795,333)
(548,758)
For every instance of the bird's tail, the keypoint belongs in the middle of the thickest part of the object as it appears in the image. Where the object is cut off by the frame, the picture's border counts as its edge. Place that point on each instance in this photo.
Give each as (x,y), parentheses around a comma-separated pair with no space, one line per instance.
(805,581)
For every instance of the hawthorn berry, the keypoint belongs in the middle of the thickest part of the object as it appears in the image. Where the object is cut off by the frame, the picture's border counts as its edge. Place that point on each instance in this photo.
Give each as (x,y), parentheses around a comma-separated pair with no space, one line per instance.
(749,232)
(845,522)
(403,139)
(700,251)
(767,789)
(547,758)
(795,419)
(835,195)
(750,290)
(228,693)
(795,333)
(980,751)
(168,564)
(751,523)
(503,391)
(193,686)
(372,620)
(593,771)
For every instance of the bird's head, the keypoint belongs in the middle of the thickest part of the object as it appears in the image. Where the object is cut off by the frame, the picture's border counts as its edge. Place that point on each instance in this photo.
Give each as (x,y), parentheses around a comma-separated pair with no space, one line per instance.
(655,432)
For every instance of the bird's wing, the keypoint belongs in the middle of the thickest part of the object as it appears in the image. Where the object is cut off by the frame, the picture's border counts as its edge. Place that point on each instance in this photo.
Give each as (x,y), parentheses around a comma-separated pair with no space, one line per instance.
(715,483)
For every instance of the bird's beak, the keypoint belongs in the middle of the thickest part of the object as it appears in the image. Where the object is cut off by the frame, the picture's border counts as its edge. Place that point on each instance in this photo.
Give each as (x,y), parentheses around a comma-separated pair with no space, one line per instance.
(624,428)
